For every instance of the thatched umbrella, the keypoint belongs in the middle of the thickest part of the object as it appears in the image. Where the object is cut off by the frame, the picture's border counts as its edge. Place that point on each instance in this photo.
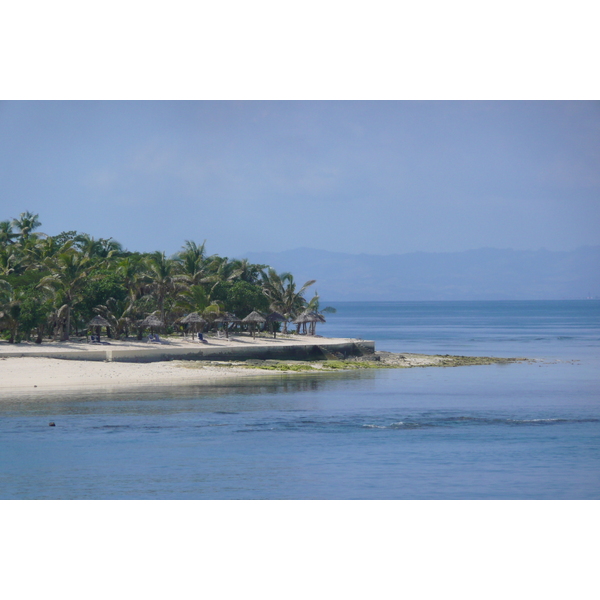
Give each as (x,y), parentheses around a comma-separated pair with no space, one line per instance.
(227,318)
(193,318)
(309,317)
(99,322)
(151,321)
(275,317)
(253,318)
(300,320)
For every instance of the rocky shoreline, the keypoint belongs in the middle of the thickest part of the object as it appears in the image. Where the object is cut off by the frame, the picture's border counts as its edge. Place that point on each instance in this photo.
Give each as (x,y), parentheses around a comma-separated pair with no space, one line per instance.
(375,360)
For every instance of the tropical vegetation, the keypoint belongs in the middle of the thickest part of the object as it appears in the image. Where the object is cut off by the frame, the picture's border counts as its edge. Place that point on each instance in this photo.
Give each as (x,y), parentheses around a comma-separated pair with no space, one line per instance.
(52,286)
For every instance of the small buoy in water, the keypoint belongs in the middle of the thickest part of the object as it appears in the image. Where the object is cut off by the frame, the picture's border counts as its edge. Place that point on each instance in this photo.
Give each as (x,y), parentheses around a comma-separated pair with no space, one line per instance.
(52,424)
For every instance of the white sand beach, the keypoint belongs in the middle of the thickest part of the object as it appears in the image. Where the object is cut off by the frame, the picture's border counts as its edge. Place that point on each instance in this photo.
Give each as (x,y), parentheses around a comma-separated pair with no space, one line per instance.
(31,372)
(29,366)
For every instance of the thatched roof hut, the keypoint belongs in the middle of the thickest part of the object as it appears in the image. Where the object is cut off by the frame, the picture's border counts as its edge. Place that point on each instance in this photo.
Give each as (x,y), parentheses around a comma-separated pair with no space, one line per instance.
(193,318)
(309,317)
(227,318)
(99,321)
(254,317)
(300,319)
(151,321)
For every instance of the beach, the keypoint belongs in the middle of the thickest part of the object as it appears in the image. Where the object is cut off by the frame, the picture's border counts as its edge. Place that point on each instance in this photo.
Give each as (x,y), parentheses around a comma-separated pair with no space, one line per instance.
(31,372)
(29,366)
(77,364)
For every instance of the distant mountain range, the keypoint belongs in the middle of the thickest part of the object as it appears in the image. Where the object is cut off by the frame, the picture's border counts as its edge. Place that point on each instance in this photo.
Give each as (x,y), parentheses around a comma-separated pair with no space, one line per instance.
(484,274)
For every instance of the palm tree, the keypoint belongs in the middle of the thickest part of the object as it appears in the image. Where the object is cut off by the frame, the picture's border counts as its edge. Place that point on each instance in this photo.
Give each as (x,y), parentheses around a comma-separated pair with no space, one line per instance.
(107,248)
(9,261)
(97,248)
(192,257)
(281,291)
(7,235)
(248,271)
(222,270)
(10,309)
(194,299)
(25,225)
(69,274)
(194,265)
(133,271)
(164,279)
(118,313)
(42,250)
(313,305)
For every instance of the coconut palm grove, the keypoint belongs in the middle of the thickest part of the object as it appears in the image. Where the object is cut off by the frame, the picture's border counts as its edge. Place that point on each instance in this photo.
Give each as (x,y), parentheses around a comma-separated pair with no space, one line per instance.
(51,287)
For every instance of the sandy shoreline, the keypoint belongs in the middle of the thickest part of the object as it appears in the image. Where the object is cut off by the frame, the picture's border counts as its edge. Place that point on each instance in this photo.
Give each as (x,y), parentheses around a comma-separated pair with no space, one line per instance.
(35,370)
(31,373)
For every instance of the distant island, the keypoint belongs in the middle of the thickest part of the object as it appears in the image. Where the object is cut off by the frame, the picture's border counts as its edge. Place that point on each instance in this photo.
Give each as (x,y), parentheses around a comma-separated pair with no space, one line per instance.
(483,274)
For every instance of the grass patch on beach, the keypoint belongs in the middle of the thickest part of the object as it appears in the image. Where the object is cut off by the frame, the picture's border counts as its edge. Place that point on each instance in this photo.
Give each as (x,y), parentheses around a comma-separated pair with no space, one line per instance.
(324,365)
(343,364)
(282,367)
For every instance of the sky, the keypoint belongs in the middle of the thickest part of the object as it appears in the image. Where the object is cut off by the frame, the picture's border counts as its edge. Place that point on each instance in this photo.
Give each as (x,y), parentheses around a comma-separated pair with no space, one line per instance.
(376,177)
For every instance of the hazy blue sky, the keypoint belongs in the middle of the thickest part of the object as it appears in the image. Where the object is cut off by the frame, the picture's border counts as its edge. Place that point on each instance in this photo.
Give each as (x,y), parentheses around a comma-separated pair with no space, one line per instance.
(374,177)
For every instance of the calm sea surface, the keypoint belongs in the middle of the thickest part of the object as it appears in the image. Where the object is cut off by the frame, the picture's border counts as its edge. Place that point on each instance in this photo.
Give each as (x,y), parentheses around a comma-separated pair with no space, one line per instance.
(522,431)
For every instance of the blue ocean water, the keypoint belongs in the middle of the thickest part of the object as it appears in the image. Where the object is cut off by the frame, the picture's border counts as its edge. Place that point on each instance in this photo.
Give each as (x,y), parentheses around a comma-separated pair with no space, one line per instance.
(516,431)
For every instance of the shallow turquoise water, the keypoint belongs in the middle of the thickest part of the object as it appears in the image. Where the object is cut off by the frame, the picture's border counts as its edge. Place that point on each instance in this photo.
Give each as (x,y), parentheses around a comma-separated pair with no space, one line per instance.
(499,431)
